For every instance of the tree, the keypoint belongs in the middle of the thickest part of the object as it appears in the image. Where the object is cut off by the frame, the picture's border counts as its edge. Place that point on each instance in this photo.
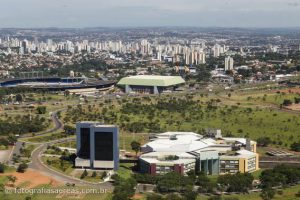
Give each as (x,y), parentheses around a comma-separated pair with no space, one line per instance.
(124,188)
(11,179)
(295,146)
(84,174)
(173,182)
(103,175)
(279,176)
(173,196)
(70,130)
(154,197)
(2,168)
(263,141)
(236,182)
(297,194)
(94,174)
(41,110)
(135,146)
(287,102)
(67,93)
(204,183)
(190,195)
(22,168)
(19,98)
(203,74)
(2,187)
(267,193)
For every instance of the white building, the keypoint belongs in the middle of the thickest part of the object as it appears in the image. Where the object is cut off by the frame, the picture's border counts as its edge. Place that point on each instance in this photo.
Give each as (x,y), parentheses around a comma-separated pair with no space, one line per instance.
(185,151)
(228,63)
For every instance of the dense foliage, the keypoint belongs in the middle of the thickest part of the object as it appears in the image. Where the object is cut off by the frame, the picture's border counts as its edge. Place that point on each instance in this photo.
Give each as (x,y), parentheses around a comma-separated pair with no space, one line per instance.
(279,176)
(236,182)
(124,188)
(22,124)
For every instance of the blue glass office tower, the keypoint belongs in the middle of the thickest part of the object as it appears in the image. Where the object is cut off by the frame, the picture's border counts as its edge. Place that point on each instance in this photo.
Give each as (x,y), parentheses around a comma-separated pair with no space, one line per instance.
(97,146)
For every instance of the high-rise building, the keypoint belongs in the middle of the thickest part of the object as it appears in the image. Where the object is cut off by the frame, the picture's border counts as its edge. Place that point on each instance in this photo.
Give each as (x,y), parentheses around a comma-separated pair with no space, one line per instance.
(216,50)
(159,55)
(97,146)
(201,58)
(187,58)
(228,63)
(24,46)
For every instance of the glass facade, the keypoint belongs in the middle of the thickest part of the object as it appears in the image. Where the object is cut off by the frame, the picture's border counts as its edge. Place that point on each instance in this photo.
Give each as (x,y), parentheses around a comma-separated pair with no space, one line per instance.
(229,166)
(84,151)
(251,164)
(104,146)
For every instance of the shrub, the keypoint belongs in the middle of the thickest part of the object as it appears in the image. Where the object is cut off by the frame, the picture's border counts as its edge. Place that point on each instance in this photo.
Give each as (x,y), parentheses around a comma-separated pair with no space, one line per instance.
(263,141)
(94,174)
(287,102)
(22,168)
(267,194)
(295,146)
(84,174)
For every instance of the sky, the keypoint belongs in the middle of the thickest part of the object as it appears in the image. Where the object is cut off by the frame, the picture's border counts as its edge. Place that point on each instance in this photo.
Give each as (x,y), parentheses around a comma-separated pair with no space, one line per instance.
(123,13)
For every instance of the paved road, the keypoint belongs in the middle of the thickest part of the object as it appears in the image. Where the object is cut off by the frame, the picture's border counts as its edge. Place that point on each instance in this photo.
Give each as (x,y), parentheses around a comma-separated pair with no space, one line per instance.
(16,151)
(18,144)
(55,120)
(38,165)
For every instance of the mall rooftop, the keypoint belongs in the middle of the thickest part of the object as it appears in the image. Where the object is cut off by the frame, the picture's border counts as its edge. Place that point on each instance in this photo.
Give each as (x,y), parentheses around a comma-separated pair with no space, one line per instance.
(150,83)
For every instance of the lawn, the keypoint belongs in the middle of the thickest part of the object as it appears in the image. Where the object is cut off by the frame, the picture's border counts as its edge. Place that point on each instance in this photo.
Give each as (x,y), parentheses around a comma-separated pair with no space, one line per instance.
(47,137)
(71,144)
(274,96)
(65,167)
(125,170)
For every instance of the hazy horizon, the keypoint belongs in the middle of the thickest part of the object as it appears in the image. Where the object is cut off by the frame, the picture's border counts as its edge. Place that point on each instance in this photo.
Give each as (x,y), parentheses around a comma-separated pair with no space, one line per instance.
(145,13)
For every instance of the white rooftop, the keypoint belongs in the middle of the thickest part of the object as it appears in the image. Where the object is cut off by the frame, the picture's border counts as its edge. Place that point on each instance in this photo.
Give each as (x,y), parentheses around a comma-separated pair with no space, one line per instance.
(178,142)
(241,154)
(188,142)
(240,140)
(159,158)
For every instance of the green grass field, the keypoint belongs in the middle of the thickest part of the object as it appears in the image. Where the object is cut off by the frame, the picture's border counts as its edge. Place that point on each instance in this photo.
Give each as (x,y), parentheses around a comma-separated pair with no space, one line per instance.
(125,170)
(247,119)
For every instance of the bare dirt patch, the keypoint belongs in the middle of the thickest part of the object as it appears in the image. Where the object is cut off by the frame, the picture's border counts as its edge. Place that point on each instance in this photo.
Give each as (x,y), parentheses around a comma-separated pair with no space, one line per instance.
(138,196)
(291,90)
(294,107)
(32,179)
(70,196)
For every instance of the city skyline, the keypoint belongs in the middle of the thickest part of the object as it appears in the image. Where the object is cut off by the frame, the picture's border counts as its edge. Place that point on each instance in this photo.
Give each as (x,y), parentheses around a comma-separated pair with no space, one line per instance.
(142,13)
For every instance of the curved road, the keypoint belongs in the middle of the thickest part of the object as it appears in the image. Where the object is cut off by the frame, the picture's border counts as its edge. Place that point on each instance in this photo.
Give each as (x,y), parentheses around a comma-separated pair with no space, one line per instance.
(18,145)
(55,120)
(38,165)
